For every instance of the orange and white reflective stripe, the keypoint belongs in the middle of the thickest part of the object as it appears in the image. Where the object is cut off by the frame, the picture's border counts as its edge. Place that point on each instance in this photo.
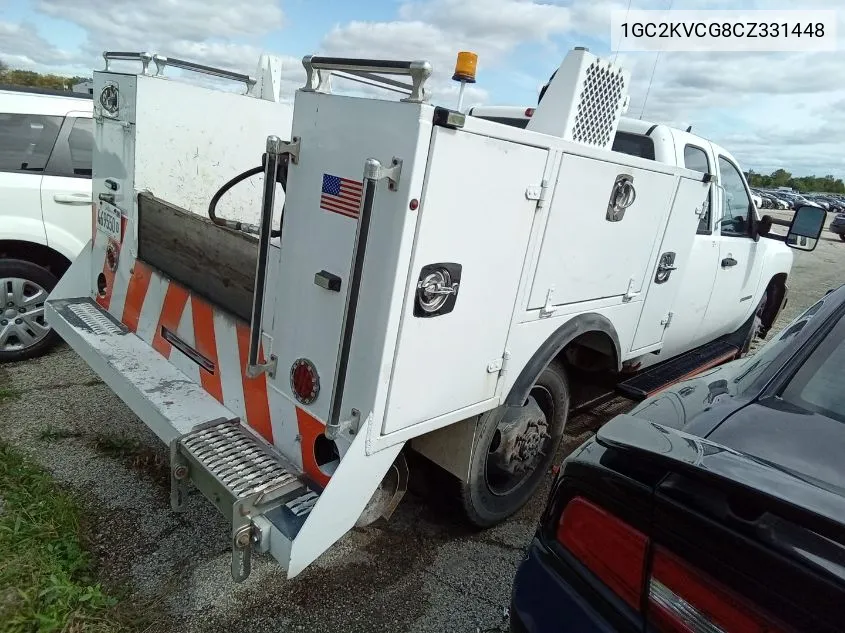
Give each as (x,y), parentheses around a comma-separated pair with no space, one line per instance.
(149,302)
(205,342)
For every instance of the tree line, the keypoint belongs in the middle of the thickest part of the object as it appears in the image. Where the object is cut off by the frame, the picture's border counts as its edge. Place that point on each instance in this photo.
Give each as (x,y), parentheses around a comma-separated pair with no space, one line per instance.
(31,78)
(804,184)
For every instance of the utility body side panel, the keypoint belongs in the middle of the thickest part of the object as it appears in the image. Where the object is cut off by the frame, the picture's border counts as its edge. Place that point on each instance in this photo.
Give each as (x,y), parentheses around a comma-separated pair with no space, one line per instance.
(475,213)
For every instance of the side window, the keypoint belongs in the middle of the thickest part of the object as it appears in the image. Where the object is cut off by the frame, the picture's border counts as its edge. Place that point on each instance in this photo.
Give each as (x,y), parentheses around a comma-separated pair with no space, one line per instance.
(74,150)
(735,201)
(26,141)
(81,144)
(696,158)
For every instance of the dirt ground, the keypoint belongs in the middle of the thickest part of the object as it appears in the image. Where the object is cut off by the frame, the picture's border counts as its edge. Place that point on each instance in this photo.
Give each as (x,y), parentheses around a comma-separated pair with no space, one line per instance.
(420,572)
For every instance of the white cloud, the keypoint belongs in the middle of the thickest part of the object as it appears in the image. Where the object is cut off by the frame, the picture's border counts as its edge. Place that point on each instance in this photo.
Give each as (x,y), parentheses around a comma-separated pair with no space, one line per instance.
(23,47)
(192,20)
(770,110)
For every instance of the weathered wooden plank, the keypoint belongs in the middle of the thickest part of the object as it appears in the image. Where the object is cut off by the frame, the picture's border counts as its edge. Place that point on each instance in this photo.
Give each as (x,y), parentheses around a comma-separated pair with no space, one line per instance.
(212,261)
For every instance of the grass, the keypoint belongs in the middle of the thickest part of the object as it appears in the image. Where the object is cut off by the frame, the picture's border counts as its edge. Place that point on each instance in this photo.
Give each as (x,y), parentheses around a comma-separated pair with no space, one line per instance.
(115,445)
(5,394)
(46,575)
(51,433)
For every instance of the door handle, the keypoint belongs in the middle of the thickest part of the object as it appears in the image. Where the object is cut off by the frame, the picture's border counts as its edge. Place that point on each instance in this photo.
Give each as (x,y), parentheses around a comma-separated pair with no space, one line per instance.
(665,267)
(728,262)
(72,198)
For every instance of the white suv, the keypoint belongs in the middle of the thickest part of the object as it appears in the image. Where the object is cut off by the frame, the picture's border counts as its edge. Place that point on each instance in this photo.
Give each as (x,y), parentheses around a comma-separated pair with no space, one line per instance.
(46,145)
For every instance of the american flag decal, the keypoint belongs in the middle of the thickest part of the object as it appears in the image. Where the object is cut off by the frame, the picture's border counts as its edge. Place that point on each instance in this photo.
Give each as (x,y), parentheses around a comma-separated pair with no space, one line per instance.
(341,195)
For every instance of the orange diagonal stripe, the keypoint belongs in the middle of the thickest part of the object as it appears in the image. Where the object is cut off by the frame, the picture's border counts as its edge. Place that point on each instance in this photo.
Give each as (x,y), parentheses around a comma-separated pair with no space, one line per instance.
(139,283)
(206,344)
(255,389)
(171,312)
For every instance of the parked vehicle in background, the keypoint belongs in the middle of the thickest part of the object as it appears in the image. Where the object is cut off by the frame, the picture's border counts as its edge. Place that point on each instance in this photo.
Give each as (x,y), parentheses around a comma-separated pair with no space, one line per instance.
(835,205)
(837,225)
(46,146)
(715,505)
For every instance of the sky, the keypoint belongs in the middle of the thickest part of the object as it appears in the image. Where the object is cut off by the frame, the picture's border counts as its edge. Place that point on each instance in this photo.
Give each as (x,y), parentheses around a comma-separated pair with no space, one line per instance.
(771,110)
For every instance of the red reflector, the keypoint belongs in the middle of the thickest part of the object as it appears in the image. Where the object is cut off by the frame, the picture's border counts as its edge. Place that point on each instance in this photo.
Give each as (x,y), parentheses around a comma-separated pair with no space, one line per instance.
(304,381)
(529,112)
(684,600)
(611,549)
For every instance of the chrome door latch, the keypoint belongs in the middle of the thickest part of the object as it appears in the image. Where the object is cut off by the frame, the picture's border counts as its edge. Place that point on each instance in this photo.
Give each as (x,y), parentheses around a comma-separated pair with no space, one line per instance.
(665,267)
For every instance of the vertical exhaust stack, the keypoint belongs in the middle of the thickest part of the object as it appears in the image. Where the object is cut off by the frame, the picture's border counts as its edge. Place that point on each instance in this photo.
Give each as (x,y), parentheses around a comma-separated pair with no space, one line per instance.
(584,100)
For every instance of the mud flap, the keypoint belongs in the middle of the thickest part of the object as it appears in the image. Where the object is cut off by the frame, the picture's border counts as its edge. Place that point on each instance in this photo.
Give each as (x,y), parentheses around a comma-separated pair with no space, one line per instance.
(341,504)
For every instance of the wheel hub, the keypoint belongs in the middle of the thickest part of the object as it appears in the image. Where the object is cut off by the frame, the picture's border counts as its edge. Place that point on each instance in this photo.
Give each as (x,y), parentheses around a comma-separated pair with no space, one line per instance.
(521,438)
(529,444)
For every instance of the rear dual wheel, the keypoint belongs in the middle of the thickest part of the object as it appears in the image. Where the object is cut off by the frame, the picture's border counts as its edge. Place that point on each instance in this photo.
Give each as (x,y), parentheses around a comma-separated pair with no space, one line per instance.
(514,449)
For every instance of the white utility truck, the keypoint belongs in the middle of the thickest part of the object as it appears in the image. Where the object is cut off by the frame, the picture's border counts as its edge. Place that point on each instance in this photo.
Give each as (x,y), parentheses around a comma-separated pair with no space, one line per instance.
(426,281)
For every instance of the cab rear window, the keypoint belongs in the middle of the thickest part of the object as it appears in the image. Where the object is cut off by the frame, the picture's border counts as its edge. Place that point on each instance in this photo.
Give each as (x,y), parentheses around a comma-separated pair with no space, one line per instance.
(634,145)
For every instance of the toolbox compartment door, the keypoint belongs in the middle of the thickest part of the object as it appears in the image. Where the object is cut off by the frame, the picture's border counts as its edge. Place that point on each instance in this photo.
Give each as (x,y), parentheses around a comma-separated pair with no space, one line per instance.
(474,214)
(585,255)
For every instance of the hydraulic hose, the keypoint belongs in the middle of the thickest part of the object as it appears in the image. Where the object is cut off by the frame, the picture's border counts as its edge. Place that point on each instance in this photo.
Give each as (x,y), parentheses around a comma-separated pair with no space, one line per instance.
(235,224)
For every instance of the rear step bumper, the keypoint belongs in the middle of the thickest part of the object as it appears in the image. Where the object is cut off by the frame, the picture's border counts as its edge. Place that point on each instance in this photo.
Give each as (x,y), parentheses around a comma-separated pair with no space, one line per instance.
(235,469)
(270,506)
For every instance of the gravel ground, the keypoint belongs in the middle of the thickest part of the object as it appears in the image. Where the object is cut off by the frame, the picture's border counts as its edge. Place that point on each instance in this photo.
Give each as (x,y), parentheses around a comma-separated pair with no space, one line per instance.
(420,572)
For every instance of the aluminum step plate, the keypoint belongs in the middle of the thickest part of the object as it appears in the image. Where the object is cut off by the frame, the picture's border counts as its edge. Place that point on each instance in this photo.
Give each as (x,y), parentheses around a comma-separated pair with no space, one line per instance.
(242,475)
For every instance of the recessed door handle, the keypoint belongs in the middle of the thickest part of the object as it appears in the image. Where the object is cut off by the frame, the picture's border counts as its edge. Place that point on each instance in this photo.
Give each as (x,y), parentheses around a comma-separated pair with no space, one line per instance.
(728,262)
(72,198)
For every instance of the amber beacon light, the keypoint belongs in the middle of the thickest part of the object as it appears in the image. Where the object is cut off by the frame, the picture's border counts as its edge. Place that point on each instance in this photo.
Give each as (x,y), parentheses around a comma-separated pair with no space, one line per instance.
(464,72)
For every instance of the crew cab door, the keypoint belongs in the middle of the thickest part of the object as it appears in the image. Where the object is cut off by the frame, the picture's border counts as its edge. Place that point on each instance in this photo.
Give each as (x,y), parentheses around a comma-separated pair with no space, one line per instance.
(668,271)
(66,185)
(688,328)
(739,265)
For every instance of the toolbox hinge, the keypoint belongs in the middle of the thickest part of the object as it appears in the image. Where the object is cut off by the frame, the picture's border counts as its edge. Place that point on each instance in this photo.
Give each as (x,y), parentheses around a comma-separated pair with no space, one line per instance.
(630,293)
(540,193)
(499,365)
(667,321)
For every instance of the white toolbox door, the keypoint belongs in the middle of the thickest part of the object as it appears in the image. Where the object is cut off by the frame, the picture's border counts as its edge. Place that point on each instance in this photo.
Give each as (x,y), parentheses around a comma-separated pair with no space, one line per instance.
(584,255)
(474,213)
(675,249)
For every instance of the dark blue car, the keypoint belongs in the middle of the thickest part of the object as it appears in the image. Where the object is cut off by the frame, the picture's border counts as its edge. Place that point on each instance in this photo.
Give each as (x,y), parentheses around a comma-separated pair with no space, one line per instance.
(716,505)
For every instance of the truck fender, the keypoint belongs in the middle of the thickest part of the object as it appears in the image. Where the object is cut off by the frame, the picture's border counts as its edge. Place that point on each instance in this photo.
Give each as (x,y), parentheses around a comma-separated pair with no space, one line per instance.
(451,447)
(777,292)
(554,345)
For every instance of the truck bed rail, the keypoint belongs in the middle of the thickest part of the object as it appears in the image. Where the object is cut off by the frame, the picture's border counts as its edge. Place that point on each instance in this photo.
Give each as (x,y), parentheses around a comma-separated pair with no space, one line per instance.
(368,70)
(162,61)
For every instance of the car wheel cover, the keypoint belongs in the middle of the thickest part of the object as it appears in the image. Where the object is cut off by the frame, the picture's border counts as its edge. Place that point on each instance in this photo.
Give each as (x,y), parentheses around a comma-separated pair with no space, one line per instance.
(22,323)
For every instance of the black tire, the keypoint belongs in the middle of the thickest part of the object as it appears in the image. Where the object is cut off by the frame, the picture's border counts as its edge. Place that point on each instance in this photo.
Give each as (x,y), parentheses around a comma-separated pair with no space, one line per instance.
(481,505)
(35,274)
(842,236)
